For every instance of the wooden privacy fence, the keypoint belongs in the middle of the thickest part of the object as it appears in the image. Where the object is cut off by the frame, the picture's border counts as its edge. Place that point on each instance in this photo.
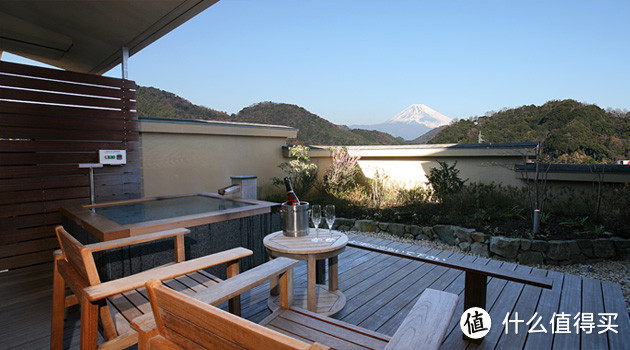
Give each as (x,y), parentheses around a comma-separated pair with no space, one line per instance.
(51,121)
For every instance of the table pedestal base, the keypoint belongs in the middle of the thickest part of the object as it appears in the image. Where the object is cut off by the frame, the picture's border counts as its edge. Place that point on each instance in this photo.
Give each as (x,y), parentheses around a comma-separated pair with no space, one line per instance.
(329,303)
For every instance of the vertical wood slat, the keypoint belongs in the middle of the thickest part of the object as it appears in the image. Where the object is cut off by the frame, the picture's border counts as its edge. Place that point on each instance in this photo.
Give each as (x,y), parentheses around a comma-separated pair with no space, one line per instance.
(50,121)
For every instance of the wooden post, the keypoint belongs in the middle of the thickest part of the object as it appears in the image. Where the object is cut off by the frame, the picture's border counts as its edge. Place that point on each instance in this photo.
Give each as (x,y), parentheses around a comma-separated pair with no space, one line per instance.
(311,287)
(180,250)
(320,272)
(234,304)
(475,295)
(333,273)
(124,62)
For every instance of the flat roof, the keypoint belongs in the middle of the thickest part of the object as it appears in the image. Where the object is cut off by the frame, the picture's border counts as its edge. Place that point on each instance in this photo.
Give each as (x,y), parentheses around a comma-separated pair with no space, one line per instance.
(503,145)
(213,122)
(213,127)
(576,168)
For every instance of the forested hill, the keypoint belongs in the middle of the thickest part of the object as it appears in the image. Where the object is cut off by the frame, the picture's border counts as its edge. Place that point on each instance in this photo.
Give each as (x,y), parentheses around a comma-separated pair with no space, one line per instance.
(313,130)
(569,131)
(152,102)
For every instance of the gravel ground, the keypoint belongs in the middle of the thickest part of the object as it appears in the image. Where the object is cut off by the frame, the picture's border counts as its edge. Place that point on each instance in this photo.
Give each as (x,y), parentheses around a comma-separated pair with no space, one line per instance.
(617,271)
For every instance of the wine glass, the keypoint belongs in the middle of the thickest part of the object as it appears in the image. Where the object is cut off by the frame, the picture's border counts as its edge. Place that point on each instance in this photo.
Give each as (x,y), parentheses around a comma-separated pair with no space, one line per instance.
(316,217)
(330,220)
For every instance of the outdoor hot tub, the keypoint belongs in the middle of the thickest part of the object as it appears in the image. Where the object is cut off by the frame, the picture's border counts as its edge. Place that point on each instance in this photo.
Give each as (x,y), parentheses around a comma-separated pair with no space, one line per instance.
(216,222)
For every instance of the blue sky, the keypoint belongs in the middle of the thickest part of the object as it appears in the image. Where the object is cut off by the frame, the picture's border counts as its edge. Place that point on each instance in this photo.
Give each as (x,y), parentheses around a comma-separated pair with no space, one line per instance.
(353,61)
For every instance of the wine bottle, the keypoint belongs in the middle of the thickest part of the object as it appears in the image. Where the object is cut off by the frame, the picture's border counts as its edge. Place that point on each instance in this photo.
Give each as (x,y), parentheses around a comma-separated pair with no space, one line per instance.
(292,198)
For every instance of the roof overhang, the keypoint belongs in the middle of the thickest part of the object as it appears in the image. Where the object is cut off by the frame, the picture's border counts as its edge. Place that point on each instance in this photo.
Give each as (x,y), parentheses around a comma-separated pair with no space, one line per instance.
(87,36)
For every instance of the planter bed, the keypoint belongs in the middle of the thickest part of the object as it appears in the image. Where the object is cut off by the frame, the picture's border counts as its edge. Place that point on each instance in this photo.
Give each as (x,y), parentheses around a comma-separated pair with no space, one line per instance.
(522,250)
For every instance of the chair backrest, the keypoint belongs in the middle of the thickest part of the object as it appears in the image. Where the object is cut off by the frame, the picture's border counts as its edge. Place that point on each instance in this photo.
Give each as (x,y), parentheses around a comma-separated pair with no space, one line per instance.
(79,257)
(193,324)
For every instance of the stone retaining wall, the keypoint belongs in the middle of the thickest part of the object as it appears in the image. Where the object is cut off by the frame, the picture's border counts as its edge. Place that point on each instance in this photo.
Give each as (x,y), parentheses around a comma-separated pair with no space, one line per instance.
(522,250)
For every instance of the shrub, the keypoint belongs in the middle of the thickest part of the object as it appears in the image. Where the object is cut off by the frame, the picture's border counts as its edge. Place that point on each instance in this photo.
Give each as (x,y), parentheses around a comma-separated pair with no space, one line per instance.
(300,170)
(342,174)
(445,179)
(380,187)
(416,194)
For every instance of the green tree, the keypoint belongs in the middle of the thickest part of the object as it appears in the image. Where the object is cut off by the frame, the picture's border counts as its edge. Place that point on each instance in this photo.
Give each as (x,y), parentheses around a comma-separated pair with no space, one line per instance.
(301,171)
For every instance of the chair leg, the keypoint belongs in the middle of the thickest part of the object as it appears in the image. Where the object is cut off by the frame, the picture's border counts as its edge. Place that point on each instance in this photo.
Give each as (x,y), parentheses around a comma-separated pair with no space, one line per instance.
(59,301)
(286,289)
(89,325)
(107,321)
(234,304)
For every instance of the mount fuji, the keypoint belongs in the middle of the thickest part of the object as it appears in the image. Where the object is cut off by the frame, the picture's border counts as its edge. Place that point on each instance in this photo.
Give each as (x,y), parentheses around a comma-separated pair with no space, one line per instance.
(414,121)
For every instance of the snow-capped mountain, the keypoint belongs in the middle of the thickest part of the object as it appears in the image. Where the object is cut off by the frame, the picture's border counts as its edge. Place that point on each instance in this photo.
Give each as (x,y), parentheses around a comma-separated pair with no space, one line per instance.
(412,122)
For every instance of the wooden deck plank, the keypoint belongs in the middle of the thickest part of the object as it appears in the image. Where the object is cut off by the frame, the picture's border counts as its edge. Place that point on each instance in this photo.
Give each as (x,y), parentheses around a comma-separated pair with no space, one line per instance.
(495,286)
(138,299)
(420,271)
(25,315)
(17,295)
(351,279)
(524,310)
(124,307)
(503,305)
(405,301)
(593,304)
(400,300)
(313,333)
(445,282)
(371,282)
(22,312)
(548,303)
(614,302)
(457,287)
(571,304)
(190,284)
(362,338)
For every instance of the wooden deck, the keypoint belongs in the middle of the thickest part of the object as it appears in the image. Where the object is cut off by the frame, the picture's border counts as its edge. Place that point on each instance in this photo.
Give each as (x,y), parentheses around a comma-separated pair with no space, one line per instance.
(379,289)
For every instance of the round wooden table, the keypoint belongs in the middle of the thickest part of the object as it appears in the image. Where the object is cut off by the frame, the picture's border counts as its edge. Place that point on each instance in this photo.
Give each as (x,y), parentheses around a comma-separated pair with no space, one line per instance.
(318,298)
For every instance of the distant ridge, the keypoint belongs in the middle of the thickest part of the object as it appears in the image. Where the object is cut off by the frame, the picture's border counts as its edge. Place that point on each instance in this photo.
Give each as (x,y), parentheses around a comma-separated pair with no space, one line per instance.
(153,102)
(411,123)
(426,137)
(569,131)
(312,129)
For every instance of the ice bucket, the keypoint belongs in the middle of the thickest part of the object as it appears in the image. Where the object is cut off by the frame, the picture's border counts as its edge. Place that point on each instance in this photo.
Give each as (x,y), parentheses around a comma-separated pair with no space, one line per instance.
(295,219)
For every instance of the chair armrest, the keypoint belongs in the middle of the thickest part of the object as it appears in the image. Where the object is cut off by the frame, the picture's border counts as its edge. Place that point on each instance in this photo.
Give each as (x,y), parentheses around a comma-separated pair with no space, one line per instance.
(144,323)
(427,322)
(107,289)
(236,285)
(123,242)
(148,334)
(159,342)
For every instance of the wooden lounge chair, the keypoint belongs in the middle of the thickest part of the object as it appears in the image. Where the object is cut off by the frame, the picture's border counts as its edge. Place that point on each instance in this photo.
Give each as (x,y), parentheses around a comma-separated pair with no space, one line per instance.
(115,303)
(184,322)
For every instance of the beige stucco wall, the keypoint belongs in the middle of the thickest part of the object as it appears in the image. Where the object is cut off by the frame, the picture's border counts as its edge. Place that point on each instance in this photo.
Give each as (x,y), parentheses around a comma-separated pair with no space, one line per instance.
(409,165)
(185,157)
